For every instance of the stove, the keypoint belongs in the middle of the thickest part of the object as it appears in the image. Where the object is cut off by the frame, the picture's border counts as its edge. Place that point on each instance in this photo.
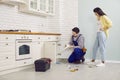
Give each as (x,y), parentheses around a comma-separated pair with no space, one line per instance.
(17,30)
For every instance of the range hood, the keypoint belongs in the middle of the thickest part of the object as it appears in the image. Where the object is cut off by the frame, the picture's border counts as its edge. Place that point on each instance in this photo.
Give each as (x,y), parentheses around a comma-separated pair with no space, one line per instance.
(13,2)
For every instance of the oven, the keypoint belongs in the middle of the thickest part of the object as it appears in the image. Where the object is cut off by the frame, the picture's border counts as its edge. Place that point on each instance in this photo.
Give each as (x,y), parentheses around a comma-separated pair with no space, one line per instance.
(23,49)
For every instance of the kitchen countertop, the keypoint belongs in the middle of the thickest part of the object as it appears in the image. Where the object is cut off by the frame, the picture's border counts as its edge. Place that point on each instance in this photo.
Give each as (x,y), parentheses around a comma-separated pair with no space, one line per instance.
(31,33)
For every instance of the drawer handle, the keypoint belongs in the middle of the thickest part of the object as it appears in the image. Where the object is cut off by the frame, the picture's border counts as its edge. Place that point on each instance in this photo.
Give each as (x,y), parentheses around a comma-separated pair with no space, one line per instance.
(24,62)
(6,57)
(59,44)
(6,44)
(59,53)
(49,38)
(6,38)
(38,37)
(53,43)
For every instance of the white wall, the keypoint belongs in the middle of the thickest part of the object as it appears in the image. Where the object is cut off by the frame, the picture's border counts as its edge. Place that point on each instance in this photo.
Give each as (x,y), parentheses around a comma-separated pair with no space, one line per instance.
(68,19)
(11,18)
(87,23)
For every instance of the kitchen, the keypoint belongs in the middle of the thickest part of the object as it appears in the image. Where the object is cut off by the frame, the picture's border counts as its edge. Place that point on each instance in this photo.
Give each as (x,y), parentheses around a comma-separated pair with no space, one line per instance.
(26,21)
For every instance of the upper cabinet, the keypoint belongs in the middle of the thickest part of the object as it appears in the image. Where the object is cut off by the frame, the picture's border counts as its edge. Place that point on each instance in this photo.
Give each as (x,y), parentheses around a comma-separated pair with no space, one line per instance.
(39,7)
(13,2)
(50,6)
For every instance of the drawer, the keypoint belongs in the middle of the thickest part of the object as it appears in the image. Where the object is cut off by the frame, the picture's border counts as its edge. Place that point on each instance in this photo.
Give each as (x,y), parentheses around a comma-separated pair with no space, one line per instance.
(46,38)
(23,62)
(6,60)
(52,38)
(8,38)
(38,38)
(6,57)
(7,47)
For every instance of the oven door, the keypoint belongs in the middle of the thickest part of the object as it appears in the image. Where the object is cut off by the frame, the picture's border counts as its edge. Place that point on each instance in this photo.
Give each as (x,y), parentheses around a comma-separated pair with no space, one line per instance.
(23,49)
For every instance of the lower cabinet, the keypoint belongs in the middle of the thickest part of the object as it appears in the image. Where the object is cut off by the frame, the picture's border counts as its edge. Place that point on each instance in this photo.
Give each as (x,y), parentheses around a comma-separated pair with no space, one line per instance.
(23,62)
(37,50)
(50,50)
(7,61)
(7,51)
(14,46)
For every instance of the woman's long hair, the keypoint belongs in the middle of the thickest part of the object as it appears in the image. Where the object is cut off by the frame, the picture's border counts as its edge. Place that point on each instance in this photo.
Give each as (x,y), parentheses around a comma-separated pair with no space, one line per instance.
(99,11)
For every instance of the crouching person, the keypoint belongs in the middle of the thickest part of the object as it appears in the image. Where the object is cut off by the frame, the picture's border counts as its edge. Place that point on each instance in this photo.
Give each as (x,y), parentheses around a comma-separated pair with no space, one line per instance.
(77,43)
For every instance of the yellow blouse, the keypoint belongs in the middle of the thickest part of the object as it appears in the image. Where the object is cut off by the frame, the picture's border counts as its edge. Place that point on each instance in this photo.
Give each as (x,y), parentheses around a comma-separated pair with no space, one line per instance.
(106,23)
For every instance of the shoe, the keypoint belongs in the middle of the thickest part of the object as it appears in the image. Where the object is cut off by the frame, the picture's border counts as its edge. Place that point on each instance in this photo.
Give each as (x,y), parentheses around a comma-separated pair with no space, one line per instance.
(100,65)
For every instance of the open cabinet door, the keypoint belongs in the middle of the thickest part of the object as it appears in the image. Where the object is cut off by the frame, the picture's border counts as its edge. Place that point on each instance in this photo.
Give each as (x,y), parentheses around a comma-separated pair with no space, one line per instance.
(50,51)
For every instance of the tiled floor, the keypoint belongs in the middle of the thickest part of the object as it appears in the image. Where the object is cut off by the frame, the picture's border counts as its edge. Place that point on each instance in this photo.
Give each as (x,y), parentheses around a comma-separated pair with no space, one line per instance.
(61,72)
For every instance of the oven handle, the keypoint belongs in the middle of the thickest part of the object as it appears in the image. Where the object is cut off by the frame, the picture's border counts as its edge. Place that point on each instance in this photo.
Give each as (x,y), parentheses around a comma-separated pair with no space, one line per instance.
(23,41)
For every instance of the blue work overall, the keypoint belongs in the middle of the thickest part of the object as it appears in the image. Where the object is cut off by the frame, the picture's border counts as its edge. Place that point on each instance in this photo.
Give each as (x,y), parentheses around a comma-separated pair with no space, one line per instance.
(77,54)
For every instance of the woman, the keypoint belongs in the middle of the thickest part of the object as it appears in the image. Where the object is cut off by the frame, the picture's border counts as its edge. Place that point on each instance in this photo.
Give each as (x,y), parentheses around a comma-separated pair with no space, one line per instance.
(76,42)
(104,23)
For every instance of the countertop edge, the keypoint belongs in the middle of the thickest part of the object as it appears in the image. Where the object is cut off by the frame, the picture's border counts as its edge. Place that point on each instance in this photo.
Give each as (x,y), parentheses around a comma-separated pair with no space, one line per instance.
(31,33)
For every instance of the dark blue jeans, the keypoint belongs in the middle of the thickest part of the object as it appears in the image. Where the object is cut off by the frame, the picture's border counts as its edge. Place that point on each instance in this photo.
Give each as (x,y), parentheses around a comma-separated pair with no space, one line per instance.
(77,54)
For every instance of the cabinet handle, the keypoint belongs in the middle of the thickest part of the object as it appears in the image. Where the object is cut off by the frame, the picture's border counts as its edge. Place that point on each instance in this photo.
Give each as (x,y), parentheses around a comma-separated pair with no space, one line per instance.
(6,57)
(53,43)
(59,44)
(38,37)
(6,38)
(6,44)
(48,37)
(59,53)
(24,62)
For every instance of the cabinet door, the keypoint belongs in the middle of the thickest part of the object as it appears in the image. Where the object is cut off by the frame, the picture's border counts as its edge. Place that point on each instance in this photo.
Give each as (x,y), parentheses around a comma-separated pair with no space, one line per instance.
(42,5)
(50,51)
(33,5)
(50,6)
(37,50)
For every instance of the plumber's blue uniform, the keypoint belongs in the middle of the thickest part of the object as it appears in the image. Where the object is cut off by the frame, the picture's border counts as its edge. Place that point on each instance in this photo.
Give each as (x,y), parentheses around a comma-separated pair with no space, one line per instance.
(77,54)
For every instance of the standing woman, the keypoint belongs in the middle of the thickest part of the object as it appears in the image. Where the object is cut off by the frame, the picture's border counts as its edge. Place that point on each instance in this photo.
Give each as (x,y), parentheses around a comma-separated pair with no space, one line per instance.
(104,23)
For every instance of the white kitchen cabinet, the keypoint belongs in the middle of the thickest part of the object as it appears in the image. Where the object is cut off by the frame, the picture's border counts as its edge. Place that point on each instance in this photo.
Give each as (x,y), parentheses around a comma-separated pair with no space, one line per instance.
(51,38)
(39,7)
(13,2)
(63,53)
(40,46)
(51,47)
(23,62)
(33,5)
(51,7)
(37,50)
(50,50)
(7,51)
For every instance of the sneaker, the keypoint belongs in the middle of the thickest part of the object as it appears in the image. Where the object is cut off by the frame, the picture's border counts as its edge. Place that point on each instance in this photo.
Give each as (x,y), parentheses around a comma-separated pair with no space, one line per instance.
(101,64)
